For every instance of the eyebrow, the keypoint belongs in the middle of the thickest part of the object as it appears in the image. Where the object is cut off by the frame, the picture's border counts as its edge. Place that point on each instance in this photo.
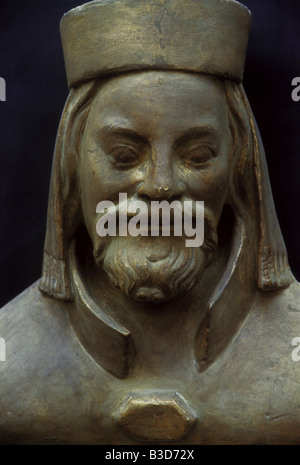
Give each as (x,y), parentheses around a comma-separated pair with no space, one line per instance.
(201,131)
(124,132)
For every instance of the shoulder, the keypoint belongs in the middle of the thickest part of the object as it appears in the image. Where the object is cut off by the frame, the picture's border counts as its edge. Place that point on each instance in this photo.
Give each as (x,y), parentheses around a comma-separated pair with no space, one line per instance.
(30,322)
(47,373)
(284,303)
(275,324)
(28,305)
(39,347)
(292,293)
(33,327)
(277,317)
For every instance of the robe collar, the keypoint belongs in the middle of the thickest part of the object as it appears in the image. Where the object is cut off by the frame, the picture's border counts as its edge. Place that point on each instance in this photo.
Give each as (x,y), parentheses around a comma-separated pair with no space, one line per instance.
(111,344)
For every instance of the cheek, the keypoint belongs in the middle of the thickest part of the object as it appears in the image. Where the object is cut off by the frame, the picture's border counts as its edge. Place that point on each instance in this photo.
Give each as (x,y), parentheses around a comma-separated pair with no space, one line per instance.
(210,185)
(101,181)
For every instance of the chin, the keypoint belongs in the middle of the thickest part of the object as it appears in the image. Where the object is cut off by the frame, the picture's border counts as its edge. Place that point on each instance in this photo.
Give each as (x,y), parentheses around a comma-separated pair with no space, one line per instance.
(152,270)
(150,294)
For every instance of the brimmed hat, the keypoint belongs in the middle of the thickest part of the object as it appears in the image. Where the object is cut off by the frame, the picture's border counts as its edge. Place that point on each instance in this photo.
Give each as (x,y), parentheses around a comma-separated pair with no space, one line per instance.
(114,36)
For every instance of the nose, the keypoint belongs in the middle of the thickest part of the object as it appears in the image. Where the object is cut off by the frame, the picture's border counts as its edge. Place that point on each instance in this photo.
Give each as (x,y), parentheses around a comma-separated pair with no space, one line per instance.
(161,183)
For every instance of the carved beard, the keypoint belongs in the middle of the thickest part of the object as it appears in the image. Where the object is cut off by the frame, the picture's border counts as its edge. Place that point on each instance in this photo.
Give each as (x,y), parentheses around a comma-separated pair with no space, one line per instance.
(155,269)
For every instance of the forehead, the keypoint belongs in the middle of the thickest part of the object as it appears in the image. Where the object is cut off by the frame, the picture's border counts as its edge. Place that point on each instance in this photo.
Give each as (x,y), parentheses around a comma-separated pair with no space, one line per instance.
(149,101)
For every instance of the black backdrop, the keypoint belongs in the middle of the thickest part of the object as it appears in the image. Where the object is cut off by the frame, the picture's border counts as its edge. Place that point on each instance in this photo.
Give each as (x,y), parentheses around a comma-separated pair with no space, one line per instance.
(31,62)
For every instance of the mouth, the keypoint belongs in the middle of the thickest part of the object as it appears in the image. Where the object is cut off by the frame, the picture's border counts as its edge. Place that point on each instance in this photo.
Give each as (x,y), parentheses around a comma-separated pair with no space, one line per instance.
(171,225)
(166,220)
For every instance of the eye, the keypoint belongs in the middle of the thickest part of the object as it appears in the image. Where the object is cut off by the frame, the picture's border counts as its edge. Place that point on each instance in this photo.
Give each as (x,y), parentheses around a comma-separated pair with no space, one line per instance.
(199,155)
(124,157)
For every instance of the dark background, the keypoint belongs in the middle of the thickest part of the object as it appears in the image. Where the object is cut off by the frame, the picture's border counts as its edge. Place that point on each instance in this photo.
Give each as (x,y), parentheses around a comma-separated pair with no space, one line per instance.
(31,62)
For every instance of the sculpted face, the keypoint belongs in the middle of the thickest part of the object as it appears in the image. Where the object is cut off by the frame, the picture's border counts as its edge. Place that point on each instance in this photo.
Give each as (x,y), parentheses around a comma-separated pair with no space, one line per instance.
(156,136)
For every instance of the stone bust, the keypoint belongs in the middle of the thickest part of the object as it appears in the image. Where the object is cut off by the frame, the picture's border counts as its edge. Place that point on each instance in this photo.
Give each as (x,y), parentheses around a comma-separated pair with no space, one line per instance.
(138,340)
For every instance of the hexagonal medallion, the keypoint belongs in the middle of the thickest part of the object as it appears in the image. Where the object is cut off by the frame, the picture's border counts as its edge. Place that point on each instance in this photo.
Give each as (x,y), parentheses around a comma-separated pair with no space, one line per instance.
(155,416)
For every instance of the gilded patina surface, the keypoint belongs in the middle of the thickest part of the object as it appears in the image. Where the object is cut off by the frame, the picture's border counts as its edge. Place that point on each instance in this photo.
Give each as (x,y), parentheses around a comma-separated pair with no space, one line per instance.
(138,340)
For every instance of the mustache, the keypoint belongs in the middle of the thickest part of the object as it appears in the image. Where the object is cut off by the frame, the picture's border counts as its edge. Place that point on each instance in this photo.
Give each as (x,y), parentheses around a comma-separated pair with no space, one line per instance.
(143,273)
(208,247)
(163,216)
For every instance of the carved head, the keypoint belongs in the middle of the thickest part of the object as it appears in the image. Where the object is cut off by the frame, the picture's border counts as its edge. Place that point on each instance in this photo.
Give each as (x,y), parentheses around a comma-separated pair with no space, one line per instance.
(159,113)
